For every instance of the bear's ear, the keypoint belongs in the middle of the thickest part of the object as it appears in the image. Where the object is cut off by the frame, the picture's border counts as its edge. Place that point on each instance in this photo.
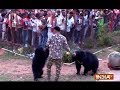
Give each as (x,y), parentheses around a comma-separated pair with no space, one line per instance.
(81,54)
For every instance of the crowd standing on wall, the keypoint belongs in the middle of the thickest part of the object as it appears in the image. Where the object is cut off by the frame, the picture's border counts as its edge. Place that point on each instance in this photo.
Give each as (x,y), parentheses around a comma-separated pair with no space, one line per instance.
(34,27)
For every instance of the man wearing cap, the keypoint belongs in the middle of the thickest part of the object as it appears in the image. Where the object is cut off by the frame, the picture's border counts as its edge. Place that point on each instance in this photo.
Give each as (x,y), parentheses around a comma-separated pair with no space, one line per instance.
(56,43)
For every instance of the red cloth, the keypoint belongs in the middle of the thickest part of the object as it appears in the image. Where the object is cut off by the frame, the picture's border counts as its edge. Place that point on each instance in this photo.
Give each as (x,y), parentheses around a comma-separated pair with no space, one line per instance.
(112,19)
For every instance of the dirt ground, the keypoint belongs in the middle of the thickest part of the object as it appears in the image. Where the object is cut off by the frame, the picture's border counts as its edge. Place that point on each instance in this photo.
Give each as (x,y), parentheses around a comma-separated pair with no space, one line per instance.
(20,70)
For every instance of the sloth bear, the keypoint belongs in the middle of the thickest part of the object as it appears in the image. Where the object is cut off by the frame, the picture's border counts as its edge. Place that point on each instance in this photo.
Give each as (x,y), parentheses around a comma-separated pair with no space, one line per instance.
(88,60)
(38,63)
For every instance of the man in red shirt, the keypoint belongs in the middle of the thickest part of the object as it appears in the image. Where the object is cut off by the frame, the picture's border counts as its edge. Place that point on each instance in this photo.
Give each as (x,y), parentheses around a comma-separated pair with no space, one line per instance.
(25,24)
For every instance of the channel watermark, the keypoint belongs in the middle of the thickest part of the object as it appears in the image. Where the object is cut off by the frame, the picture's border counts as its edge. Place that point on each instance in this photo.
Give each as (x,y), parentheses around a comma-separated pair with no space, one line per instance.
(104,76)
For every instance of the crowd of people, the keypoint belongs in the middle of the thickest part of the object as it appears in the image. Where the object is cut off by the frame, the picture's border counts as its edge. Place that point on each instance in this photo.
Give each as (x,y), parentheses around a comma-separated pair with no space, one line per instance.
(53,28)
(35,26)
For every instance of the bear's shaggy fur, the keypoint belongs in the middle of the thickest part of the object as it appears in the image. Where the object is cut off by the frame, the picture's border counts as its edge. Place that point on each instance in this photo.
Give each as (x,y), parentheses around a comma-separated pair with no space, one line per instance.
(88,60)
(38,63)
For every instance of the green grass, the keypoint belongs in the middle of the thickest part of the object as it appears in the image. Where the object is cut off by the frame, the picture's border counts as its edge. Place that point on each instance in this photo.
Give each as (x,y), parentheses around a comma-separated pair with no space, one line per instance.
(4,78)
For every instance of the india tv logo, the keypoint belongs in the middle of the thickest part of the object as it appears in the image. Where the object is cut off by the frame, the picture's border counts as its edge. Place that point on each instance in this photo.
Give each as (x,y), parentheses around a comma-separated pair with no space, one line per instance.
(104,76)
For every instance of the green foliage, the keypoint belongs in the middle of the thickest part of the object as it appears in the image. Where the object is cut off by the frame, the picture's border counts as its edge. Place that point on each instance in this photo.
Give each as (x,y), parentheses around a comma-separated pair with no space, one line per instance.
(118,49)
(67,58)
(116,33)
(102,30)
(104,39)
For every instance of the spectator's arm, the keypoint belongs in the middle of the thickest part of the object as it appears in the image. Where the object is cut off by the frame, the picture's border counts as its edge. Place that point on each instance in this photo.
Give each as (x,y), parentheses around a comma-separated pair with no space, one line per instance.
(30,24)
(73,22)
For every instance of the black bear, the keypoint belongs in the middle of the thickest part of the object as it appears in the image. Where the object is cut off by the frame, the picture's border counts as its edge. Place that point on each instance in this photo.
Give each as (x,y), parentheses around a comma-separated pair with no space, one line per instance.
(38,63)
(88,60)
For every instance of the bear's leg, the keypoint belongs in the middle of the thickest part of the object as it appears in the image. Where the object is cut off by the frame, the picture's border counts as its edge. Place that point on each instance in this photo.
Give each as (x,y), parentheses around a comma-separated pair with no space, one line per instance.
(35,72)
(78,67)
(41,69)
(85,71)
(94,71)
(40,73)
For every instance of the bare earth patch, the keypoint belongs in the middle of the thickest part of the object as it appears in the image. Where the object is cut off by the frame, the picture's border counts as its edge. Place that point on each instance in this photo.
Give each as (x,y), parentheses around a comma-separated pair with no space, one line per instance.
(20,70)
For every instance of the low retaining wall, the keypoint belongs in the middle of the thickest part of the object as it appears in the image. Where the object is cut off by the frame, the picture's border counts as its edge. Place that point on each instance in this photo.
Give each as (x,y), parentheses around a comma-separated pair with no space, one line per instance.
(63,63)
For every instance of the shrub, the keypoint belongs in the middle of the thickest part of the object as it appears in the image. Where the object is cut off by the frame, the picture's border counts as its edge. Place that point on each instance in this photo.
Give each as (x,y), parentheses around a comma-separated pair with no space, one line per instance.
(89,43)
(118,49)
(116,33)
(104,38)
(67,58)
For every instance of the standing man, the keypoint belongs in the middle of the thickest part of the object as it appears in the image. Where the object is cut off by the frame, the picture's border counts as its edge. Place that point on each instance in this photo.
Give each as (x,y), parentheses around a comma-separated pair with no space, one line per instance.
(13,26)
(51,23)
(35,37)
(70,24)
(25,23)
(56,44)
(86,24)
(1,22)
(44,31)
(19,28)
(78,28)
(61,21)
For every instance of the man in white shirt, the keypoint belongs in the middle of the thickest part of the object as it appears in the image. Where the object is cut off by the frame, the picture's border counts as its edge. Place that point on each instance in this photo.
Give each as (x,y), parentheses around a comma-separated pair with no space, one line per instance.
(61,21)
(4,27)
(13,26)
(35,37)
(70,24)
(19,30)
(51,23)
(0,17)
(78,28)
(39,27)
(30,30)
(86,24)
(0,26)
